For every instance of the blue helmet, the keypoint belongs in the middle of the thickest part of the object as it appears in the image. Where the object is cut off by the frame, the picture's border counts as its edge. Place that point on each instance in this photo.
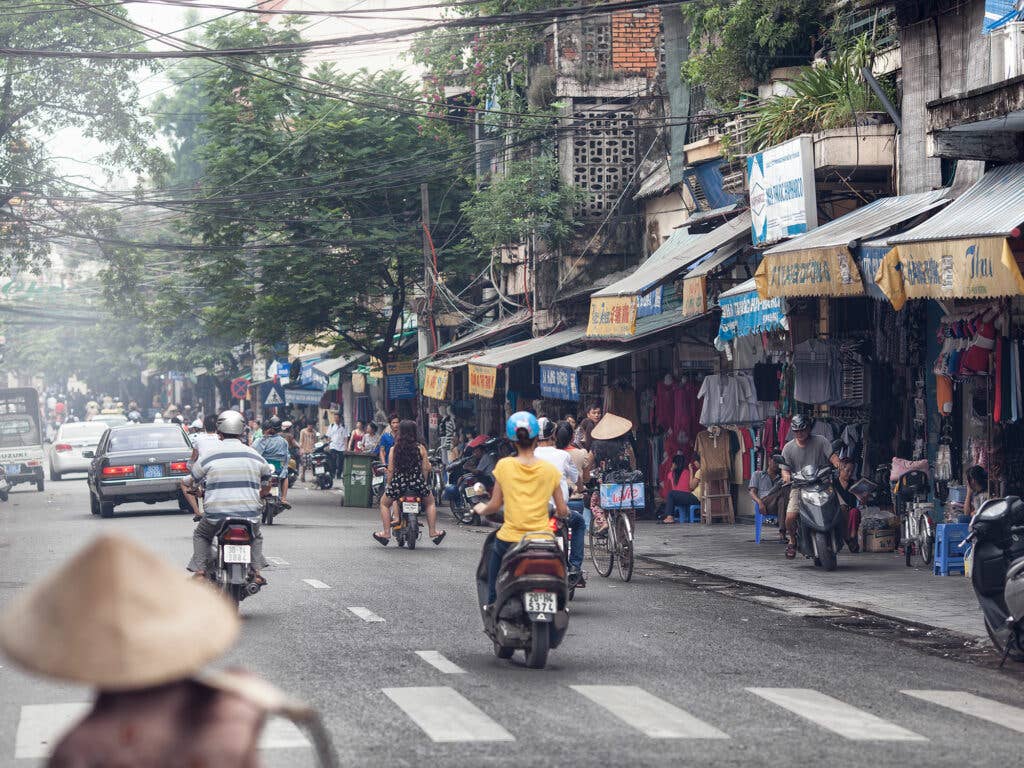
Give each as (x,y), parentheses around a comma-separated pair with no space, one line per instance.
(522,419)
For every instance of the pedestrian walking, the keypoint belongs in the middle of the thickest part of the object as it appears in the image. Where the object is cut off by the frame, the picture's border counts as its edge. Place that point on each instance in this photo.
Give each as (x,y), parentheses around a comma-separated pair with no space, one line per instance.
(337,434)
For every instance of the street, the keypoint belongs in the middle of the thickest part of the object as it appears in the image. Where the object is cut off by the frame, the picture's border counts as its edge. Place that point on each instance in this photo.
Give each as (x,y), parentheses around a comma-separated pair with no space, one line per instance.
(387,644)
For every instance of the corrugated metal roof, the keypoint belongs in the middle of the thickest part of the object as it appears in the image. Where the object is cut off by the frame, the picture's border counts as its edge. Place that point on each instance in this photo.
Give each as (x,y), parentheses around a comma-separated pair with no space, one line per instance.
(480,335)
(993,207)
(451,361)
(586,358)
(654,183)
(327,367)
(721,256)
(745,287)
(676,253)
(870,221)
(509,353)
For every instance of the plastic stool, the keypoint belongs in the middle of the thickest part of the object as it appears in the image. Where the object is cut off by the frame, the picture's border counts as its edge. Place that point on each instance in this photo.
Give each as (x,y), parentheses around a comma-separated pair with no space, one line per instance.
(949,557)
(689,514)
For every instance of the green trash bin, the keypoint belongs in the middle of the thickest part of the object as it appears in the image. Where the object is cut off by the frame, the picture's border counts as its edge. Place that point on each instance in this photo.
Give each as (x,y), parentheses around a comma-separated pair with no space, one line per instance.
(357,477)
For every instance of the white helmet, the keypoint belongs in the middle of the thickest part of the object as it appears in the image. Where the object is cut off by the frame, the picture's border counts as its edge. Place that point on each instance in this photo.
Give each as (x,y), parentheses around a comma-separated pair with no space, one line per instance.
(197,424)
(230,423)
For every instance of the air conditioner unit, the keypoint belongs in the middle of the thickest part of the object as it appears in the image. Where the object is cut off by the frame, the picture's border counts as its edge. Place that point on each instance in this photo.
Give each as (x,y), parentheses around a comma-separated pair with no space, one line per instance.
(1006,58)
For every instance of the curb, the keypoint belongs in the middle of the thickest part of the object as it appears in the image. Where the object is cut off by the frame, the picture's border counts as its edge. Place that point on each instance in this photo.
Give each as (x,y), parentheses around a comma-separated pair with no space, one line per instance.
(788,593)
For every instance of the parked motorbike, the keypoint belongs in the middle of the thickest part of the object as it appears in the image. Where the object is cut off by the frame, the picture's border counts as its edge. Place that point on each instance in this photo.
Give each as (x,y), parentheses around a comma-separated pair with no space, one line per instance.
(378,482)
(230,559)
(820,528)
(530,612)
(997,572)
(407,532)
(5,485)
(461,480)
(318,463)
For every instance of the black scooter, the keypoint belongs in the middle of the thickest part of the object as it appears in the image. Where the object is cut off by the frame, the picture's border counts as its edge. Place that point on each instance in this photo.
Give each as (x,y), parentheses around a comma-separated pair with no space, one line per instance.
(230,559)
(997,572)
(820,529)
(530,612)
(323,478)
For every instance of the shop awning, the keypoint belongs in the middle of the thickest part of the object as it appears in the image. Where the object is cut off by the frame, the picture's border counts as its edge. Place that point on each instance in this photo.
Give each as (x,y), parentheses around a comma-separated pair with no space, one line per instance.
(508,353)
(559,377)
(966,252)
(745,313)
(586,358)
(678,252)
(821,262)
(489,331)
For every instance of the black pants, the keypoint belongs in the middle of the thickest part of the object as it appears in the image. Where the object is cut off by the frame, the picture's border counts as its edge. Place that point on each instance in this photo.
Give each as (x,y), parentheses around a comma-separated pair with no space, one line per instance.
(335,462)
(682,499)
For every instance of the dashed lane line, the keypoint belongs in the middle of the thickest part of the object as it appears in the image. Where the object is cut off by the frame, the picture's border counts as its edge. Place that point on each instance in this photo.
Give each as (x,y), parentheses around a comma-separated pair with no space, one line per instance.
(440,663)
(315,584)
(365,614)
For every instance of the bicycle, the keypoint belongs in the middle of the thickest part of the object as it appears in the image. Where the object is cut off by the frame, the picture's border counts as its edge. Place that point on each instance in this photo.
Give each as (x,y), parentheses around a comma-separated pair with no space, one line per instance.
(613,545)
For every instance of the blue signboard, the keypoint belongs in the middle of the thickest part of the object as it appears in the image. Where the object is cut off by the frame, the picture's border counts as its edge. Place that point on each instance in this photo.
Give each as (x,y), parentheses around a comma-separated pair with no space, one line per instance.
(559,383)
(747,314)
(650,303)
(281,369)
(401,386)
(303,396)
(273,395)
(308,377)
(319,380)
(870,259)
(175,376)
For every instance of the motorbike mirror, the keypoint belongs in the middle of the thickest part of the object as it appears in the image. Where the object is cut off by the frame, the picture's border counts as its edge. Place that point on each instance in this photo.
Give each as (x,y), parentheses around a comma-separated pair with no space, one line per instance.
(777,458)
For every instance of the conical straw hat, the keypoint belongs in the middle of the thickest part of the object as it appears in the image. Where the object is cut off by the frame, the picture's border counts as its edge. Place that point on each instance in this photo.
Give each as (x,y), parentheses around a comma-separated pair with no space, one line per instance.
(117,617)
(611,426)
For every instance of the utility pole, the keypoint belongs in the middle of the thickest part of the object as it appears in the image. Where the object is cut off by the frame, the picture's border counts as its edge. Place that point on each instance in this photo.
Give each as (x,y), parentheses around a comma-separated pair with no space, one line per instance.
(425,340)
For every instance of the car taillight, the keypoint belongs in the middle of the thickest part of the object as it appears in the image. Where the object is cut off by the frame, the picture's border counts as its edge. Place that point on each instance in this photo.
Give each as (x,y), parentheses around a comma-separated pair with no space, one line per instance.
(62,447)
(539,566)
(179,466)
(236,534)
(119,470)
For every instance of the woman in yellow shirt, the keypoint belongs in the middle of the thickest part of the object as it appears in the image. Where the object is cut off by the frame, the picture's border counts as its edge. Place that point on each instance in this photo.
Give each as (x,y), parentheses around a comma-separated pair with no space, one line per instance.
(524,484)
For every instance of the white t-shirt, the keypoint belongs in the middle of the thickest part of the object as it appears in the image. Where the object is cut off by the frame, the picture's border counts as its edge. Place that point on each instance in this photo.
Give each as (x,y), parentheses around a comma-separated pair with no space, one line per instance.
(562,461)
(338,434)
(202,441)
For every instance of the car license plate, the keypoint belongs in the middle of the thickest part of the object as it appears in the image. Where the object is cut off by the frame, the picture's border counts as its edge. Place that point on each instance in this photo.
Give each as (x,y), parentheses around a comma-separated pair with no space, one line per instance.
(13,469)
(318,470)
(410,507)
(236,553)
(153,470)
(541,605)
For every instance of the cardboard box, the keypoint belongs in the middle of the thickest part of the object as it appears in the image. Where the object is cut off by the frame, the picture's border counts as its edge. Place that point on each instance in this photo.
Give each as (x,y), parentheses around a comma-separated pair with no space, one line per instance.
(880,540)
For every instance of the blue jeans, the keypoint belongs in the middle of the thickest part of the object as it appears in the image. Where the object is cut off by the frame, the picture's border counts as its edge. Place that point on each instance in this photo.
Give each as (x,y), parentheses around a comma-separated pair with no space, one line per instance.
(498,550)
(578,525)
(577,505)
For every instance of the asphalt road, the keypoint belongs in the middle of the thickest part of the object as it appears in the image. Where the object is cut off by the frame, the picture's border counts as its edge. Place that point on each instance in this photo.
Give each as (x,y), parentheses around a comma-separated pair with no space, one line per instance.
(652,672)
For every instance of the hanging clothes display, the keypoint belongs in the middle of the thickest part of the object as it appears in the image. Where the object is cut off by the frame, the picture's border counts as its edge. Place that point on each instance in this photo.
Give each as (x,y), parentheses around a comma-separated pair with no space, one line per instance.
(766,381)
(620,399)
(817,372)
(730,399)
(716,448)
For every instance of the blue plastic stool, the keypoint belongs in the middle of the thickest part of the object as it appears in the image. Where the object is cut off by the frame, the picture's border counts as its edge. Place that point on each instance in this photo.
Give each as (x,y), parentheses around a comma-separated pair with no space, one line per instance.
(689,514)
(758,520)
(949,557)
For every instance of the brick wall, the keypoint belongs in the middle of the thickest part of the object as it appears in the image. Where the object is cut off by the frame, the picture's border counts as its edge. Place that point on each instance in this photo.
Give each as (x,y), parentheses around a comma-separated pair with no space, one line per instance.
(636,41)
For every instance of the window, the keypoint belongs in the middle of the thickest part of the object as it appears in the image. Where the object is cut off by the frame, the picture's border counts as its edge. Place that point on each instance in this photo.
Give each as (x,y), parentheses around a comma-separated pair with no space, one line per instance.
(146,439)
(82,431)
(17,431)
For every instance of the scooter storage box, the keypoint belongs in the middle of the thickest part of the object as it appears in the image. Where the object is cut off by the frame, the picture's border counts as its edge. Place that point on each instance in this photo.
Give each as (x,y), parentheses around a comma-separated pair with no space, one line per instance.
(880,540)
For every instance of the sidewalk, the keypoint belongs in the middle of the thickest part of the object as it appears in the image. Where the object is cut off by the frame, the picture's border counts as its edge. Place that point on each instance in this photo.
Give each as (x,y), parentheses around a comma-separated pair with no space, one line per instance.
(877,582)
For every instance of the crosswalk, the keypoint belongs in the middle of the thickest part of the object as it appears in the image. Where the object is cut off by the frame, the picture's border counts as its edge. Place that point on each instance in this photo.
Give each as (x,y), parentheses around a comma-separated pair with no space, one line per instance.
(445,715)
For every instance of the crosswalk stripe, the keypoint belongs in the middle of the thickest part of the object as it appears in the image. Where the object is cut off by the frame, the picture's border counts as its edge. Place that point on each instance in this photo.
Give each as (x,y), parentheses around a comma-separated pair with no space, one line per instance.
(837,716)
(975,706)
(276,561)
(647,713)
(315,584)
(365,613)
(446,716)
(439,662)
(41,727)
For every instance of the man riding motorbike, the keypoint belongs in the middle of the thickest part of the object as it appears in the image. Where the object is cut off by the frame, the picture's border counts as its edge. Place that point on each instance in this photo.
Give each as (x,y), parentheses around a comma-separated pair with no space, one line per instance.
(236,478)
(803,450)
(276,451)
(554,439)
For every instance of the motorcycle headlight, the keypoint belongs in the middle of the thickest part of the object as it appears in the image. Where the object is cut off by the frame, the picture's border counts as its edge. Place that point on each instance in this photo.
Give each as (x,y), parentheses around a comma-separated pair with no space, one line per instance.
(817,498)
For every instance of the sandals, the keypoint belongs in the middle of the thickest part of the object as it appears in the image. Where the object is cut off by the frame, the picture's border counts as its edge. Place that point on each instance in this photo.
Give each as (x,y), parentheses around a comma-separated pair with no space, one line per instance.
(667,521)
(439,538)
(382,540)
(790,552)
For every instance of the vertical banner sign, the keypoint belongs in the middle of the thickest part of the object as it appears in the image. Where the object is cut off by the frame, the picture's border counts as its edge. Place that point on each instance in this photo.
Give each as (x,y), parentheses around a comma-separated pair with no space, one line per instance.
(780,181)
(401,380)
(695,296)
(650,303)
(482,379)
(612,316)
(559,383)
(435,383)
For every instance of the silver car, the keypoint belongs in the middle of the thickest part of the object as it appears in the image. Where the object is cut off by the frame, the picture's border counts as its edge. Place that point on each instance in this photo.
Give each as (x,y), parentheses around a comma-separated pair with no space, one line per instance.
(139,462)
(72,440)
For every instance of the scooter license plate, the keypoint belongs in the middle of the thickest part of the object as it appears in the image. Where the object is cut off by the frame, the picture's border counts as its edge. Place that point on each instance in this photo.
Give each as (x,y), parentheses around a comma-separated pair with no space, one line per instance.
(540,605)
(410,507)
(318,470)
(237,553)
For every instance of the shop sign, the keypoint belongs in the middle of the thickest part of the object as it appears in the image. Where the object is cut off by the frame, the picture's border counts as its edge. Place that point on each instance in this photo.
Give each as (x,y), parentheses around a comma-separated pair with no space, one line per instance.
(811,272)
(401,380)
(334,382)
(309,376)
(746,314)
(303,396)
(650,303)
(559,383)
(951,269)
(695,296)
(435,383)
(783,200)
(376,371)
(612,316)
(319,380)
(482,380)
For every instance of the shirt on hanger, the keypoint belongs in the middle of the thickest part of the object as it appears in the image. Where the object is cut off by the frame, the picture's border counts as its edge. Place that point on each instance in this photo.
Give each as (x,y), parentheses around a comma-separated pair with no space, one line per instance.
(817,371)
(766,381)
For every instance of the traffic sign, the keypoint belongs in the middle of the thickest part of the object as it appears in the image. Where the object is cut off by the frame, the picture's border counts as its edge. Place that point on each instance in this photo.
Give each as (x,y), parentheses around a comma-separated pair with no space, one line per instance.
(274,396)
(239,389)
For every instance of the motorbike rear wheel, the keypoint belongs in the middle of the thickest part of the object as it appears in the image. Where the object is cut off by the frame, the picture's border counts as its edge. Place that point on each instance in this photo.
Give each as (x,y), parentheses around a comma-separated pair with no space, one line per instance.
(540,644)
(827,555)
(235,592)
(412,531)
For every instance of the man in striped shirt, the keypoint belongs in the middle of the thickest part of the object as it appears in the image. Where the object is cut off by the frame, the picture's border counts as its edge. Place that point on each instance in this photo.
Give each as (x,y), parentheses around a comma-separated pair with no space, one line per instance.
(236,477)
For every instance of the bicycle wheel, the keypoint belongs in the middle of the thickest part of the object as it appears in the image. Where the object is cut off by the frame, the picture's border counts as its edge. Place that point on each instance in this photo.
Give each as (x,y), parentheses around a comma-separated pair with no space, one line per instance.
(601,554)
(624,547)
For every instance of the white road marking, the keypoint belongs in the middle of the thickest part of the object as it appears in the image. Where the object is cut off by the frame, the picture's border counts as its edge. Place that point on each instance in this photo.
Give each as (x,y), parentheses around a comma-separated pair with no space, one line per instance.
(317,584)
(975,706)
(277,561)
(837,716)
(439,662)
(42,725)
(279,733)
(365,614)
(446,716)
(647,713)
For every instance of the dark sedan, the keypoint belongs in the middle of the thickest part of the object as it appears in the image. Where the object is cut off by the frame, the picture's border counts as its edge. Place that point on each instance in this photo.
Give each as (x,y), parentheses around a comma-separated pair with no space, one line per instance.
(138,462)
